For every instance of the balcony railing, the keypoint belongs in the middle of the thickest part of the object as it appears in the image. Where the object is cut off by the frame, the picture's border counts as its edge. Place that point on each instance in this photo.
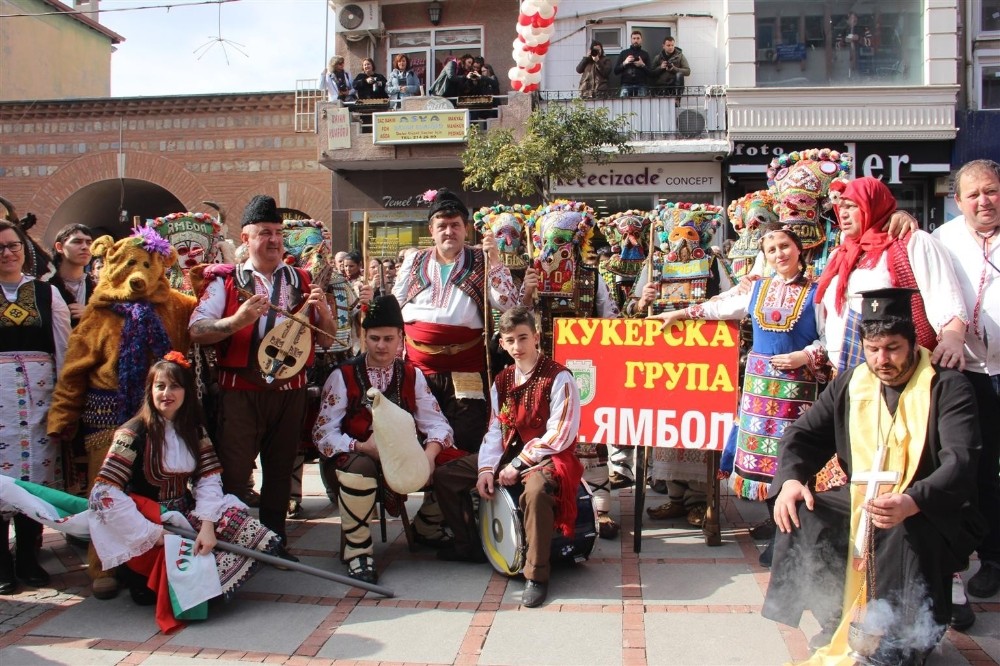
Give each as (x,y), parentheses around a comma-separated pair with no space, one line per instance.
(696,113)
(482,109)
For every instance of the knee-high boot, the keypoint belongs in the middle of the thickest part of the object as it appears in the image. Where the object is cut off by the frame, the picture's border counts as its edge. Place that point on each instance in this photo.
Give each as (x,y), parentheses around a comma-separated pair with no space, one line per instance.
(26,566)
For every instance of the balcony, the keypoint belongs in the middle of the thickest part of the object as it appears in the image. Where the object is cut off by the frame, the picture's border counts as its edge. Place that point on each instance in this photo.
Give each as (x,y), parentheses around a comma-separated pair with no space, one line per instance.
(504,111)
(691,122)
(697,113)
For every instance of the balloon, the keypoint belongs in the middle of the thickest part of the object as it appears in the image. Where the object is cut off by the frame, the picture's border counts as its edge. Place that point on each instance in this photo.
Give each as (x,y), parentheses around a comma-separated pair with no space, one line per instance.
(514,74)
(540,22)
(537,67)
(524,58)
(531,87)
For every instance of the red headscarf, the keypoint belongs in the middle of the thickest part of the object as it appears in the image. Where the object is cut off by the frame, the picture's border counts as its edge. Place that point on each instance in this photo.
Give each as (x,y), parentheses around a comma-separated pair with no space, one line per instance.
(876,204)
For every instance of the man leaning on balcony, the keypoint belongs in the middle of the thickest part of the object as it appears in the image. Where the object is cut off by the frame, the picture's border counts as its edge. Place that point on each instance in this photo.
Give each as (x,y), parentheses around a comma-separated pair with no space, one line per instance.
(633,67)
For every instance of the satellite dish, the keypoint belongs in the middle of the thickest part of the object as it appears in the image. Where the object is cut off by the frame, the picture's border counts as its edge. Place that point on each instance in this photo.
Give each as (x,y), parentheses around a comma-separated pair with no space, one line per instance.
(351,17)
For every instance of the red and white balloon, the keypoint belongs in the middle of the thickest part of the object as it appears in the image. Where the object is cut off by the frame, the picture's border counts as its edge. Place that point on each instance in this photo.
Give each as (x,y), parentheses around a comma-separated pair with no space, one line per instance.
(535,25)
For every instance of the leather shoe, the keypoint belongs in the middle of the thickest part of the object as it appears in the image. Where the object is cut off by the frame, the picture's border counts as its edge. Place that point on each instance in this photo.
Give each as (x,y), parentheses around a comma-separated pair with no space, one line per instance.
(986,582)
(766,555)
(618,481)
(281,552)
(534,593)
(32,574)
(764,530)
(452,554)
(667,511)
(251,498)
(962,616)
(696,516)
(104,588)
(294,509)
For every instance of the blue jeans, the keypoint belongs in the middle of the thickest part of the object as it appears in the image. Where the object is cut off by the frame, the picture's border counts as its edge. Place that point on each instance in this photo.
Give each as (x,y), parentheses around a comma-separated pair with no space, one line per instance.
(633,91)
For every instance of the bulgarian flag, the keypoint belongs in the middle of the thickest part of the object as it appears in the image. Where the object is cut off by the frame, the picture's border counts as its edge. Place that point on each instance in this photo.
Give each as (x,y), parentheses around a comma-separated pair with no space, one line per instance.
(60,511)
(183,587)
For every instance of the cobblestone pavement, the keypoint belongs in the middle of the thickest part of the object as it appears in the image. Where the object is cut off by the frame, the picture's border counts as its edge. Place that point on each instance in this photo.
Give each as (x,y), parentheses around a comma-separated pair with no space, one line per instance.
(676,602)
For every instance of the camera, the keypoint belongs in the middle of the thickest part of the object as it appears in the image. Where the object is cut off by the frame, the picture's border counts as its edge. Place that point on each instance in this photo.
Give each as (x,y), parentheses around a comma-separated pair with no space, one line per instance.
(595,51)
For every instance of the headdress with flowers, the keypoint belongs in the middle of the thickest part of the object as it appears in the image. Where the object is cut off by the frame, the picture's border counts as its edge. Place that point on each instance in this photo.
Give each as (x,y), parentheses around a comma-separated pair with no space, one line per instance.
(178,358)
(150,241)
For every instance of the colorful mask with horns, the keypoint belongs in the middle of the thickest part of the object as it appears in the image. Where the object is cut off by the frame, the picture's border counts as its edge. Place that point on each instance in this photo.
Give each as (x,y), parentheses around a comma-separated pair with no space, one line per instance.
(628,235)
(197,237)
(561,234)
(748,215)
(507,224)
(683,235)
(800,183)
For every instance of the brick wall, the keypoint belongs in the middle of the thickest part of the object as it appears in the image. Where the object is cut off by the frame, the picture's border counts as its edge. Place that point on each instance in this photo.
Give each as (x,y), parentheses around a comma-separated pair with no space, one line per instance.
(222,148)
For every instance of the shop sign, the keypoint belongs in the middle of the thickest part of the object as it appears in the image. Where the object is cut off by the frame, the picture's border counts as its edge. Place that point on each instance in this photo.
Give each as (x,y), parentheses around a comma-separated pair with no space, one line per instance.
(434,126)
(338,128)
(890,161)
(653,177)
(640,386)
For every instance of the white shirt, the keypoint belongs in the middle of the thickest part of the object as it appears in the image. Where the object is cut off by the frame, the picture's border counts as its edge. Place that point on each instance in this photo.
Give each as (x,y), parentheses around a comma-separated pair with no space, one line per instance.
(213,301)
(444,303)
(935,278)
(561,429)
(327,434)
(982,350)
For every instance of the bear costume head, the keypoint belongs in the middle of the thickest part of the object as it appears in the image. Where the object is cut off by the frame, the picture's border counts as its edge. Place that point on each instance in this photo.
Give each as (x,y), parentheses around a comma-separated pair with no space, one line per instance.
(134,268)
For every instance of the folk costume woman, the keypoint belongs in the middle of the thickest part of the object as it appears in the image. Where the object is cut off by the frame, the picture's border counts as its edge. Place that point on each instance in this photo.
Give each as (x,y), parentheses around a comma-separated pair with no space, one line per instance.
(869,258)
(163,454)
(34,327)
(784,364)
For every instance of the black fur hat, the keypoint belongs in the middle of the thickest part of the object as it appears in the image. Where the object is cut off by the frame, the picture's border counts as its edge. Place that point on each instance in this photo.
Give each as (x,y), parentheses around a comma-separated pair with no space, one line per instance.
(446,201)
(383,311)
(261,208)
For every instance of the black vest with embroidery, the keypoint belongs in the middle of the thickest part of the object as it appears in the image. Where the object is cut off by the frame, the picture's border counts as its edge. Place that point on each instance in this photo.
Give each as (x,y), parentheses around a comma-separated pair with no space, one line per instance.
(582,303)
(26,322)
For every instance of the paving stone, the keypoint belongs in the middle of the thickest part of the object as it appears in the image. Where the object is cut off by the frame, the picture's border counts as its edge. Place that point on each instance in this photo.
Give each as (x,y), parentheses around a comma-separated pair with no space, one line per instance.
(46,655)
(713,639)
(679,540)
(699,584)
(535,638)
(435,581)
(116,619)
(171,660)
(986,633)
(372,633)
(250,626)
(946,654)
(275,581)
(581,584)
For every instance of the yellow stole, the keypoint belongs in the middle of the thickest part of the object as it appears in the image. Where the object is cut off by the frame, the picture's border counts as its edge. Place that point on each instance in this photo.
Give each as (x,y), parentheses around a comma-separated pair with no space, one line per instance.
(904,439)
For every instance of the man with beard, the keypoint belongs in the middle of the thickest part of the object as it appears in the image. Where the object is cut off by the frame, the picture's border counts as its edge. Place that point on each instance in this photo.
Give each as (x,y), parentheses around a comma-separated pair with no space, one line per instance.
(878,555)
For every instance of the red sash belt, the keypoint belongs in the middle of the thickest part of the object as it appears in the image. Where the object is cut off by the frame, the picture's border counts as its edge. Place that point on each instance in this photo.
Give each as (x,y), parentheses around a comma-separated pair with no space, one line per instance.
(452,347)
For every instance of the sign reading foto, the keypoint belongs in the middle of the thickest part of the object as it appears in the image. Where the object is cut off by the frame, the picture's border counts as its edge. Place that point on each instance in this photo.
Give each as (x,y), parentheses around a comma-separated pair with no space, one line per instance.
(640,386)
(431,126)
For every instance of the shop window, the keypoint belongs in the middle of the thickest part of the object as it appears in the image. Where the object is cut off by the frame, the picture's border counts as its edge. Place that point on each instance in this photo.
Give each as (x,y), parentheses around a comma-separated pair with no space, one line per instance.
(428,50)
(839,43)
(989,19)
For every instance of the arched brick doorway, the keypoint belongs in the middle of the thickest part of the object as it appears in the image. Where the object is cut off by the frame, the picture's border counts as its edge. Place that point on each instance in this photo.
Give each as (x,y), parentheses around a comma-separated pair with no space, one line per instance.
(108,206)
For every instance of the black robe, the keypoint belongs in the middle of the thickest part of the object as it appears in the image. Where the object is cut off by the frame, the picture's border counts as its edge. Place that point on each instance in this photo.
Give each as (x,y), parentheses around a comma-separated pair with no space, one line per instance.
(809,563)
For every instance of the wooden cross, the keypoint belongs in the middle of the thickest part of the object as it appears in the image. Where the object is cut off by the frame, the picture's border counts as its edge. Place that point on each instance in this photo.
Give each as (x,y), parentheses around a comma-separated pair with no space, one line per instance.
(875,478)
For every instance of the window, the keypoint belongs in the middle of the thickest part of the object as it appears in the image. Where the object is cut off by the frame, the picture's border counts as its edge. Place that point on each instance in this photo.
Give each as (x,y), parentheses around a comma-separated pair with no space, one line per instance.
(839,42)
(428,50)
(610,38)
(989,18)
(988,78)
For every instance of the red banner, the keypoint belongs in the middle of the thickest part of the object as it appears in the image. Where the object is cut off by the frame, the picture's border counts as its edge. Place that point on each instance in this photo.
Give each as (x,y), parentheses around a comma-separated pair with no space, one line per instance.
(643,387)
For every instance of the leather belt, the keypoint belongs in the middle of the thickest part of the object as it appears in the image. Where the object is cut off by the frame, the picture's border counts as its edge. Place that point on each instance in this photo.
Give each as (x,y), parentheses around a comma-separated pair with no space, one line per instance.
(447,350)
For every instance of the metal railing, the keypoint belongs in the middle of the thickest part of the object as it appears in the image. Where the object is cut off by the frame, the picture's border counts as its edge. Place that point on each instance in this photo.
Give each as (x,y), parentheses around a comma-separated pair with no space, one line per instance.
(482,110)
(691,112)
(307,95)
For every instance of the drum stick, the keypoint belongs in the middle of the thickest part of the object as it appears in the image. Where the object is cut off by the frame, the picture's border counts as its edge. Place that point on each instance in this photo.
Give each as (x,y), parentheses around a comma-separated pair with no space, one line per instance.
(286,564)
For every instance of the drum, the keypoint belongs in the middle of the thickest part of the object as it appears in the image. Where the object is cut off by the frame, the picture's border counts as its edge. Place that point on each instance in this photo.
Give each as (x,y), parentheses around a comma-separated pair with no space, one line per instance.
(501,528)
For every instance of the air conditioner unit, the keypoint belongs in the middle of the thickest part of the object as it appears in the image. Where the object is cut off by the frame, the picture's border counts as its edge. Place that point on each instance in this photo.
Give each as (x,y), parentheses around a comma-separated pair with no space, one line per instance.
(357,17)
(690,123)
(765,55)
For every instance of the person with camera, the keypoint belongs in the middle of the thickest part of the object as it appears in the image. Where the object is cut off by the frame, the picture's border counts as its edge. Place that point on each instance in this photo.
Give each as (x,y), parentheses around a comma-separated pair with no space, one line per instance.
(633,67)
(370,85)
(403,81)
(669,69)
(594,69)
(337,82)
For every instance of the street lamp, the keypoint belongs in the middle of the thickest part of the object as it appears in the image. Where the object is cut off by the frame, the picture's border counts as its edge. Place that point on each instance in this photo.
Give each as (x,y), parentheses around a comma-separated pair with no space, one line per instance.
(434,12)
